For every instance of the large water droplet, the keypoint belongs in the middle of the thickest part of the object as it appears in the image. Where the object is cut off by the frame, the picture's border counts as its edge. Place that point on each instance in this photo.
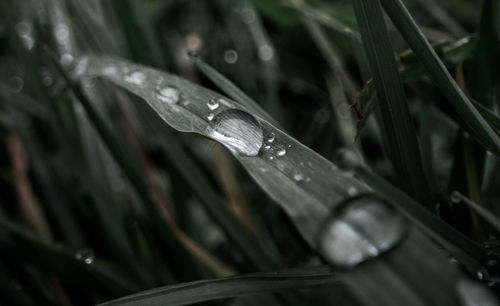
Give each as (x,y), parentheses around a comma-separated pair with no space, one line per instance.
(359,229)
(239,131)
(169,94)
(473,293)
(85,255)
(136,77)
(213,104)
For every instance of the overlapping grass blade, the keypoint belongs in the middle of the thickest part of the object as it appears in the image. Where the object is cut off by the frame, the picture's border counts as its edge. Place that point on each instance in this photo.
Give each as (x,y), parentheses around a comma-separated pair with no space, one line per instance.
(400,135)
(234,286)
(473,120)
(491,219)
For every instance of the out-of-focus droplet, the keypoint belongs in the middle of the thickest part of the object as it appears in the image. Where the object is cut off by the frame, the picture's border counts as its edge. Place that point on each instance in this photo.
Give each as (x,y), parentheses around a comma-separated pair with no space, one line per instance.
(16,84)
(210,116)
(230,56)
(361,228)
(66,59)
(85,255)
(298,177)
(266,52)
(136,77)
(239,131)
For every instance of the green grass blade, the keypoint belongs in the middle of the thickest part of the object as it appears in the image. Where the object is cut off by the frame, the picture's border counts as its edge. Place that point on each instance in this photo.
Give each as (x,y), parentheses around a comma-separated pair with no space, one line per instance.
(297,177)
(402,143)
(491,219)
(475,123)
(234,286)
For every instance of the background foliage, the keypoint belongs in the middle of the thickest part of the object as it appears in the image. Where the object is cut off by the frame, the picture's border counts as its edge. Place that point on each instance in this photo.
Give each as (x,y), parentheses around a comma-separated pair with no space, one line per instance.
(102,196)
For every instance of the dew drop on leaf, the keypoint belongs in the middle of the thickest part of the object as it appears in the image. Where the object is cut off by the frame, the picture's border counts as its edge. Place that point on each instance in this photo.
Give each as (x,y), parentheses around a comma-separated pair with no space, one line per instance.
(271,137)
(281,151)
(361,228)
(213,104)
(168,94)
(136,77)
(239,131)
(298,177)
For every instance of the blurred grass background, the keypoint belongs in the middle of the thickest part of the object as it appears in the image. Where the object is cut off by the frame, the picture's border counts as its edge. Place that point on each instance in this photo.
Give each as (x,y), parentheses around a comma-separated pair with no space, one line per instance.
(74,232)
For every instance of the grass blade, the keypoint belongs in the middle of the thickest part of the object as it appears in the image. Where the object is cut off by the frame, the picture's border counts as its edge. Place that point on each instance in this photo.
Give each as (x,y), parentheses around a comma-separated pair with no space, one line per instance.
(402,143)
(491,219)
(475,123)
(234,286)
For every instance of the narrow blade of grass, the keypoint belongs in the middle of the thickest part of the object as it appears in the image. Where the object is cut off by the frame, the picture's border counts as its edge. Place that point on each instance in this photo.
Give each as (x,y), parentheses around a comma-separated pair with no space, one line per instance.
(473,120)
(402,143)
(491,219)
(234,286)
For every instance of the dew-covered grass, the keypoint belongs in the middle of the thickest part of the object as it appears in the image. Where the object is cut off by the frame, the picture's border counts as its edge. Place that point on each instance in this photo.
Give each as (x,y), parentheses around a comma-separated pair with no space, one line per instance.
(242,152)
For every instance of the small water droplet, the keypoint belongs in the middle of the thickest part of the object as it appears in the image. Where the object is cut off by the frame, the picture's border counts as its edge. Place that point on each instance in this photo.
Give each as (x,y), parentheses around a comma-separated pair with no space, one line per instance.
(298,177)
(66,59)
(168,94)
(267,147)
(62,33)
(16,84)
(455,197)
(230,56)
(136,77)
(110,70)
(85,255)
(213,104)
(289,146)
(281,151)
(473,293)
(239,131)
(271,157)
(308,179)
(352,191)
(210,116)
(266,53)
(359,229)
(81,65)
(271,137)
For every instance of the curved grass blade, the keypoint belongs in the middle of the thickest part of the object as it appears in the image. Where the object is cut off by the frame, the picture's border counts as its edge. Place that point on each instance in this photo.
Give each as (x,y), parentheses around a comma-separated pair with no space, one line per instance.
(473,120)
(302,182)
(491,219)
(234,286)
(402,143)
